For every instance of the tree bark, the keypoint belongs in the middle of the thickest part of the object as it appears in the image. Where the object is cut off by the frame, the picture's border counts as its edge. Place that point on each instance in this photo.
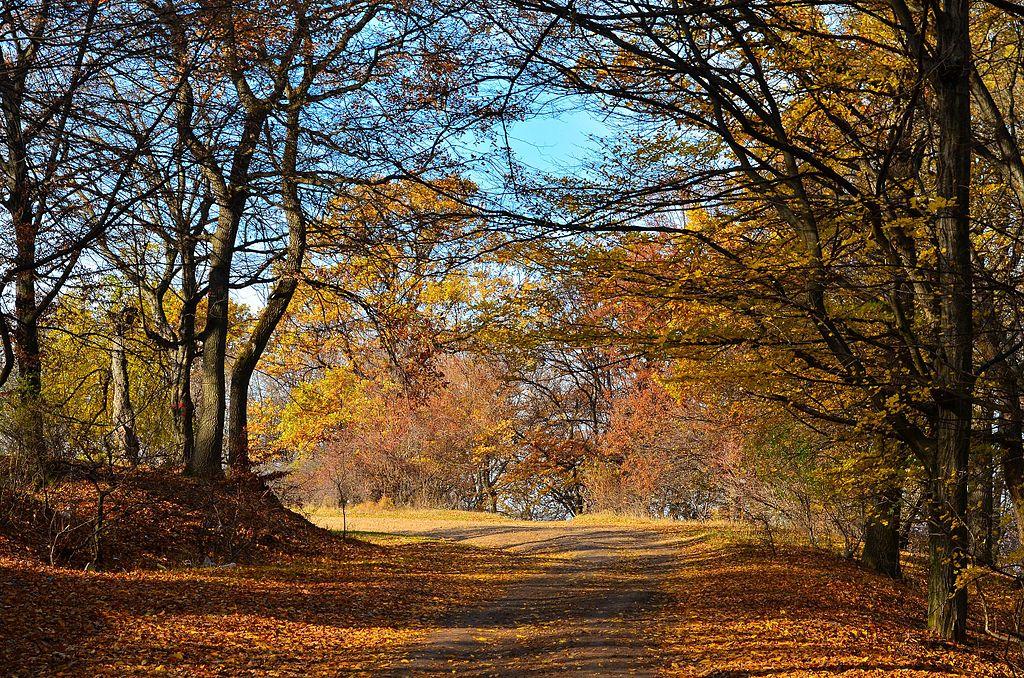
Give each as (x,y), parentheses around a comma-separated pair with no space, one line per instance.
(207,458)
(26,308)
(947,601)
(882,533)
(243,369)
(184,405)
(277,304)
(27,348)
(986,549)
(122,412)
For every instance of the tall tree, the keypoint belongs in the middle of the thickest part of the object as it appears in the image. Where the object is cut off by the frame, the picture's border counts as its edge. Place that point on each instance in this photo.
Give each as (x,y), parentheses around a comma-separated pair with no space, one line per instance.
(214,47)
(797,154)
(947,599)
(57,60)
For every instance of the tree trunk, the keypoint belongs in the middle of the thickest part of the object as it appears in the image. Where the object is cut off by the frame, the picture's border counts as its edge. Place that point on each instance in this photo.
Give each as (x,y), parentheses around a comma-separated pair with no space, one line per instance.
(184,404)
(231,192)
(209,425)
(238,419)
(882,533)
(997,513)
(277,304)
(122,413)
(487,485)
(947,603)
(986,549)
(209,429)
(29,357)
(492,495)
(26,308)
(1012,461)
(245,365)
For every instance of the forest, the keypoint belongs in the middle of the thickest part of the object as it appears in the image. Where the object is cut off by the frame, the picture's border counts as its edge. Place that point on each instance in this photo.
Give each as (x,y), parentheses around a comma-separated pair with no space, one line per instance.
(749,273)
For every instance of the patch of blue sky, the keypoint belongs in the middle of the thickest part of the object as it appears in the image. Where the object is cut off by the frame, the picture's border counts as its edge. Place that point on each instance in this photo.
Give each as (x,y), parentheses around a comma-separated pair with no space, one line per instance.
(561,141)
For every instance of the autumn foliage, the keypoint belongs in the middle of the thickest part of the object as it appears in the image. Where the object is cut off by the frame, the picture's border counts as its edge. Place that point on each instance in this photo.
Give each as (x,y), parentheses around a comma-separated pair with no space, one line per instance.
(266,257)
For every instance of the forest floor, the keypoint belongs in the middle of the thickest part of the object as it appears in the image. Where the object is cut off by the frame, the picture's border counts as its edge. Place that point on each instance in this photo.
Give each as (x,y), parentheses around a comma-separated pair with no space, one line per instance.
(443,592)
(610,596)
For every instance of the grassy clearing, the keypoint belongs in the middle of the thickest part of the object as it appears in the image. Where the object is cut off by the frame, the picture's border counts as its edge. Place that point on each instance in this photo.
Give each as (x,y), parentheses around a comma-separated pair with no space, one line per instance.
(398,525)
(361,511)
(391,525)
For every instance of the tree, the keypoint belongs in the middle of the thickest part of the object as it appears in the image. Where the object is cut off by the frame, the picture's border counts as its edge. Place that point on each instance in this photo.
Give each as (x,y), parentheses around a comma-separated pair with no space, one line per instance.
(122,412)
(56,64)
(214,47)
(806,130)
(947,600)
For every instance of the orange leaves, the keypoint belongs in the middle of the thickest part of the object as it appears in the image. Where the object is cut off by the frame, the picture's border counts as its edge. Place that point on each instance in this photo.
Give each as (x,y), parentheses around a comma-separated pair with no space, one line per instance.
(335,609)
(804,614)
(690,599)
(367,436)
(248,31)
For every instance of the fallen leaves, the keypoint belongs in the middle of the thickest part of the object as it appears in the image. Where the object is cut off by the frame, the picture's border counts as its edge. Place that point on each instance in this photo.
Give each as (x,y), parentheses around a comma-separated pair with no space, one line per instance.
(354,607)
(805,613)
(693,604)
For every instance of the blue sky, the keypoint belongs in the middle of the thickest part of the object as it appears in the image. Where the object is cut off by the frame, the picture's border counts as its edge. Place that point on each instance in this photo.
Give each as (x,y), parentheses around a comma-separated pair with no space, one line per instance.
(557,141)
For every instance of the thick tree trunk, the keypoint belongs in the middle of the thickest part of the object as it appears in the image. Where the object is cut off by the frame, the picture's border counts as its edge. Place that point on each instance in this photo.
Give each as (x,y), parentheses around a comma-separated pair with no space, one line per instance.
(238,419)
(184,406)
(487,492)
(26,307)
(122,412)
(947,602)
(28,354)
(209,424)
(882,533)
(206,461)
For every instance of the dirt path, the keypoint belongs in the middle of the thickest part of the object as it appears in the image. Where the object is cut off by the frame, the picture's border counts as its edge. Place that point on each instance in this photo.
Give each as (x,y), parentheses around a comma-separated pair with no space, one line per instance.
(614,599)
(588,601)
(473,595)
(617,598)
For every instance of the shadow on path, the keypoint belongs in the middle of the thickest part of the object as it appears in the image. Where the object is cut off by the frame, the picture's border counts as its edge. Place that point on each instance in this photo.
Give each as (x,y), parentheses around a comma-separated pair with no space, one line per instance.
(587,602)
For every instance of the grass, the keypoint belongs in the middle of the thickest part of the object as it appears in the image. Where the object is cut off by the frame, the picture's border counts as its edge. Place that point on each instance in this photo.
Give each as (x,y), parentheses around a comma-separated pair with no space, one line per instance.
(371,522)
(393,525)
(626,520)
(361,511)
